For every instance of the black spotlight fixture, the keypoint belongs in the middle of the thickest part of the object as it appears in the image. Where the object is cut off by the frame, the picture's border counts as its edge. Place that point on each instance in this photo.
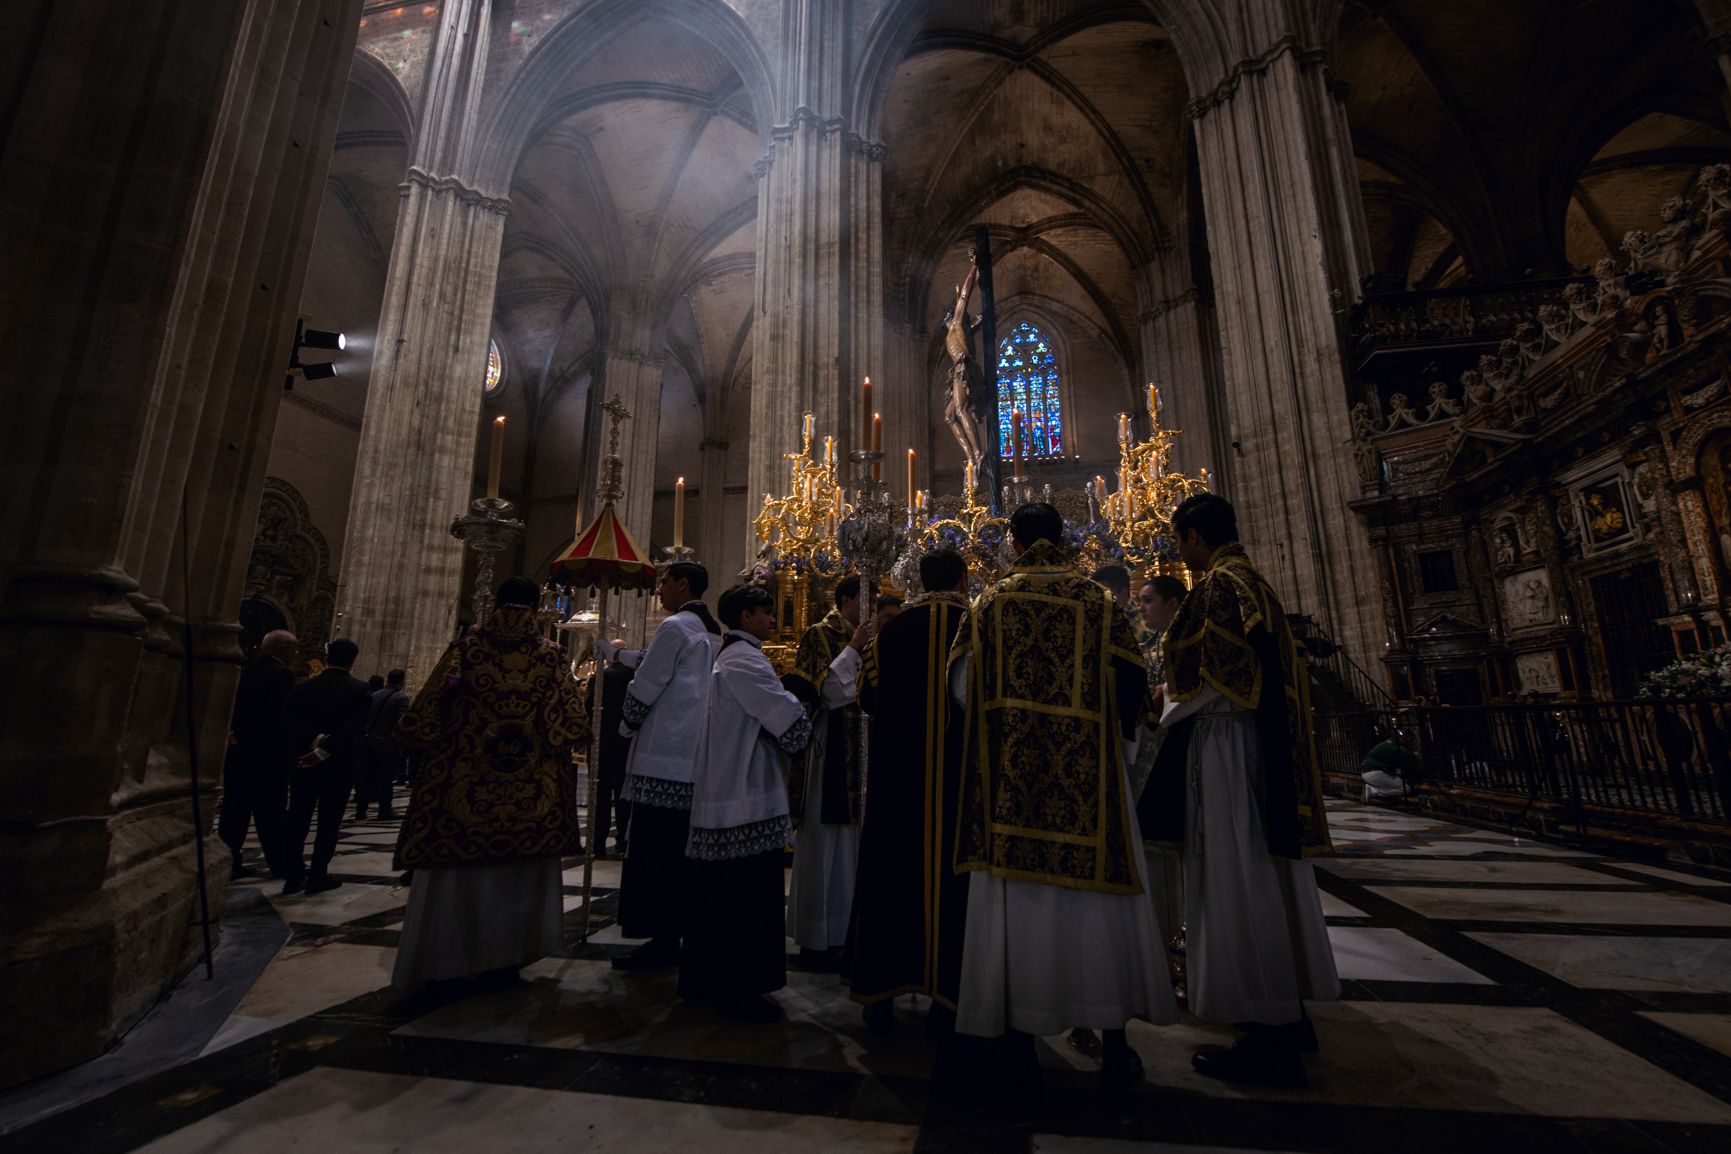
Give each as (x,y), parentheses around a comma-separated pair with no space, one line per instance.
(306,338)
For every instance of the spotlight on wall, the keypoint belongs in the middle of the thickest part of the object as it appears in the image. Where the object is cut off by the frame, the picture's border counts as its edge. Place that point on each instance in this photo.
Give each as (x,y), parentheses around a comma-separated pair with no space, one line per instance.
(306,338)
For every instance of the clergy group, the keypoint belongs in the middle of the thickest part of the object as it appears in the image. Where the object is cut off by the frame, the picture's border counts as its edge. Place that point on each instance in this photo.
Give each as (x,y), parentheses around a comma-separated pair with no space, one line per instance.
(1014,805)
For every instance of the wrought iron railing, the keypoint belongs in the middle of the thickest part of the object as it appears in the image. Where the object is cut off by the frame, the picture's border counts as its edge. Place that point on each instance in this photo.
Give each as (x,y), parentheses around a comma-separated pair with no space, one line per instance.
(1669,759)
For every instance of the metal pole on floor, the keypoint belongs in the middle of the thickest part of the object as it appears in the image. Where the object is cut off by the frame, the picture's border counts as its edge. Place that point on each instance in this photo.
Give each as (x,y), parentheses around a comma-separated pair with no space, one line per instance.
(198,830)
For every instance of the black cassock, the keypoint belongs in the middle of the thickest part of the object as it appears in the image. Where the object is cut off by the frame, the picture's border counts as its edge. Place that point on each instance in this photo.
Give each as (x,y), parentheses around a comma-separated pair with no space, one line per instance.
(910,905)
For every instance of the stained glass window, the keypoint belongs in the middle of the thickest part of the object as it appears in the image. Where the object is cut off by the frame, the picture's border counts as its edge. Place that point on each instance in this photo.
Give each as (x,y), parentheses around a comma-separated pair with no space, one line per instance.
(495,369)
(1028,384)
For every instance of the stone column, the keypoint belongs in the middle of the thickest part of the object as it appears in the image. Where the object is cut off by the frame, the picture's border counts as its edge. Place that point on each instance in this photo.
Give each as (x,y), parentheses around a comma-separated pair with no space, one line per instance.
(1286,236)
(710,529)
(150,284)
(1181,354)
(819,324)
(397,596)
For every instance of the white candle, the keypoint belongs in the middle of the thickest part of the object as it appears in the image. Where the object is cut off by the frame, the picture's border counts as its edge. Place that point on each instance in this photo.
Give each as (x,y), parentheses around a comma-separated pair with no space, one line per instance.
(679,513)
(497,457)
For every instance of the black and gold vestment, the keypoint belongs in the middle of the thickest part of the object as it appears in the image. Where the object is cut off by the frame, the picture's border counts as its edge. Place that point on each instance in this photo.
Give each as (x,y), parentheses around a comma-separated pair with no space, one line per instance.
(1231,635)
(910,905)
(1055,683)
(495,724)
(836,757)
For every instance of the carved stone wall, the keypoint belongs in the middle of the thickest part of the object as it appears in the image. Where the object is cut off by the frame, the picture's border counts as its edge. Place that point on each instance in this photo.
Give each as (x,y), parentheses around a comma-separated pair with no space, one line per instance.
(290,569)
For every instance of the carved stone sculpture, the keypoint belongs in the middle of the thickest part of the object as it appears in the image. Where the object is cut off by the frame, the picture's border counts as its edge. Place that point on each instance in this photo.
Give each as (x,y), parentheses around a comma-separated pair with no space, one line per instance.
(1441,404)
(1400,413)
(1673,243)
(1613,289)
(1364,421)
(1474,388)
(1556,320)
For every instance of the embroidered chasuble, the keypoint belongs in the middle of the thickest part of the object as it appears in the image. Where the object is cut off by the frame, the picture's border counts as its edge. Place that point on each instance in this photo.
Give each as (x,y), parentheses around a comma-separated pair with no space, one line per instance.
(1231,634)
(495,724)
(1055,683)
(910,906)
(837,756)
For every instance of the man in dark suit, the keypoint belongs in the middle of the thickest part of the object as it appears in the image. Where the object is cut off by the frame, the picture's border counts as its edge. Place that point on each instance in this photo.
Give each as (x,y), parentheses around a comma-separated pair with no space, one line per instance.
(615,747)
(329,717)
(382,753)
(255,775)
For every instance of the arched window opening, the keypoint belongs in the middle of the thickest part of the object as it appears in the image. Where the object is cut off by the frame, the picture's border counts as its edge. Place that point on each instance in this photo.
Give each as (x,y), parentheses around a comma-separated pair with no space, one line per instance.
(1028,384)
(495,370)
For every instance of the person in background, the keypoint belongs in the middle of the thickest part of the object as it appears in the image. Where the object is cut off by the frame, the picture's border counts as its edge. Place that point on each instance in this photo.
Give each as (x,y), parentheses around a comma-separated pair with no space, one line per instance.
(611,806)
(256,772)
(329,716)
(1389,766)
(382,753)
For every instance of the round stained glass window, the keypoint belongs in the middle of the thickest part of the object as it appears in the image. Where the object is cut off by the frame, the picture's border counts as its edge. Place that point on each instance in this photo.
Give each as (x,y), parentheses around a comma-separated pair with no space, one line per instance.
(495,369)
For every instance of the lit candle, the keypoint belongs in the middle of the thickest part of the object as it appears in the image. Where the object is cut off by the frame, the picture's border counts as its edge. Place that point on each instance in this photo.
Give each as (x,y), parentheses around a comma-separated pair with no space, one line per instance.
(865,412)
(496,459)
(829,450)
(806,424)
(679,513)
(911,489)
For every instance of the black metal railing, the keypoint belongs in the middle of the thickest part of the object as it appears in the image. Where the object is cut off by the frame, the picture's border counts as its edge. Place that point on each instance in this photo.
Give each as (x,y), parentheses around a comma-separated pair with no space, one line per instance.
(1660,758)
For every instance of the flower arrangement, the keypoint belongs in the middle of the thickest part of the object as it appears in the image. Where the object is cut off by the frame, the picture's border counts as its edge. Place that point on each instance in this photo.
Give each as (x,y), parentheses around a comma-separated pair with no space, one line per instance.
(1703,674)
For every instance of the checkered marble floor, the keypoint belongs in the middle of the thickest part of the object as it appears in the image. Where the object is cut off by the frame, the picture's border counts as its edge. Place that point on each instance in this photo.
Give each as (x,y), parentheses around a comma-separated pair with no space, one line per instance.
(1499,992)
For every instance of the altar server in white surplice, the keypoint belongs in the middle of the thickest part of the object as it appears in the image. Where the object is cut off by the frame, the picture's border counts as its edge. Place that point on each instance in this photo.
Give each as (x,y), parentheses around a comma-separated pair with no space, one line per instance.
(1236,782)
(664,709)
(735,951)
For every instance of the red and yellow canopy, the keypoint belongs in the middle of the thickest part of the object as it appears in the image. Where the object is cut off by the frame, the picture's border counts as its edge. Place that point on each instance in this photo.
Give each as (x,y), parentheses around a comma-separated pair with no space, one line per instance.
(605,554)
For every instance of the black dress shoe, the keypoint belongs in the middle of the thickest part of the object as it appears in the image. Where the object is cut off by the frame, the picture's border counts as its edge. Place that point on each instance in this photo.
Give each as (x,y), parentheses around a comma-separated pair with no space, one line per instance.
(1258,1064)
(320,885)
(654,954)
(293,885)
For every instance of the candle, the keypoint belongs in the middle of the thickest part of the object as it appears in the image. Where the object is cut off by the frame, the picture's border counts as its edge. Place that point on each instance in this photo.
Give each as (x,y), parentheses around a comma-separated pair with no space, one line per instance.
(911,489)
(679,513)
(1154,401)
(865,412)
(1123,428)
(497,457)
(829,450)
(805,425)
(877,445)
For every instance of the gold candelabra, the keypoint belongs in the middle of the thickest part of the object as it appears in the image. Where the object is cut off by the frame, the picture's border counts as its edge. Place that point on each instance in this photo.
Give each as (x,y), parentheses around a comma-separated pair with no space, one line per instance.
(800,528)
(1140,511)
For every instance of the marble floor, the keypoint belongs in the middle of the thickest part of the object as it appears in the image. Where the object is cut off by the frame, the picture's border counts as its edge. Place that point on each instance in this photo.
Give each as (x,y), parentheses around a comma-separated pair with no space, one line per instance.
(1499,992)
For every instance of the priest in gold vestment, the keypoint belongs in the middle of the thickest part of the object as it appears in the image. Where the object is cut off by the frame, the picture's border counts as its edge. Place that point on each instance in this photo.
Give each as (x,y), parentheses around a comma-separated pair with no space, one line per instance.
(1236,782)
(494,805)
(1060,932)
